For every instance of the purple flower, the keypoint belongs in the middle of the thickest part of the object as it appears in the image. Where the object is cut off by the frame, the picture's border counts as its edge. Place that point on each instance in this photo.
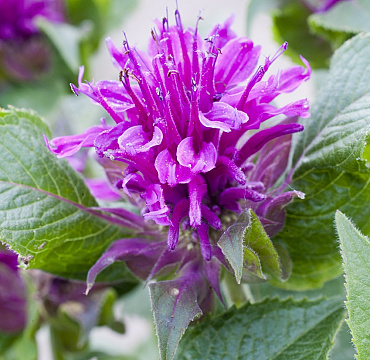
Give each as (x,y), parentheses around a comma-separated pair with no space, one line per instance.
(187,146)
(23,53)
(13,300)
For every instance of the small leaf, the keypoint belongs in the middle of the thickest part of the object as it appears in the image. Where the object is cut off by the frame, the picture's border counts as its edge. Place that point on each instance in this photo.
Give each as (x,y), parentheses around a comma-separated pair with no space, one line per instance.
(174,305)
(330,167)
(255,237)
(231,243)
(272,329)
(248,248)
(46,210)
(356,259)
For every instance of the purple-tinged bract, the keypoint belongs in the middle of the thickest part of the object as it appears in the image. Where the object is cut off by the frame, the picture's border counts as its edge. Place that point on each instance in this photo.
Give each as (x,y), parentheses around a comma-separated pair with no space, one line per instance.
(13,297)
(187,147)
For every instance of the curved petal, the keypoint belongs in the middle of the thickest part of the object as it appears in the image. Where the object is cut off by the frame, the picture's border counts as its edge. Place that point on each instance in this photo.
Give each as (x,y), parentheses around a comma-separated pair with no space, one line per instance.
(169,171)
(236,63)
(135,140)
(224,117)
(203,161)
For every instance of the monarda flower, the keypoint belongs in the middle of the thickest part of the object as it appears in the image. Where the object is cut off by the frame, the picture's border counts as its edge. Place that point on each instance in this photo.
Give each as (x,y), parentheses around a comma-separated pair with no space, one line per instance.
(23,52)
(192,148)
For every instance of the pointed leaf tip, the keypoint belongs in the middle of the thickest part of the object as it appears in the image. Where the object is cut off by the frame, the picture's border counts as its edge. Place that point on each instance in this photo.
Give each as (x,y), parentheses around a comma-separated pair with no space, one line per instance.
(174,305)
(356,258)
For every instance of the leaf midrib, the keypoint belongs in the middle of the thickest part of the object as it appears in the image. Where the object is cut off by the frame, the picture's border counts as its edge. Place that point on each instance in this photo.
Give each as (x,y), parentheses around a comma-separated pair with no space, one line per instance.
(62,199)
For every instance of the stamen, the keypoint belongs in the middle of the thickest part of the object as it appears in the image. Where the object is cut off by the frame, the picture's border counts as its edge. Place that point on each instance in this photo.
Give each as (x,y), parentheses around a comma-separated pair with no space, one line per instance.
(178,17)
(280,51)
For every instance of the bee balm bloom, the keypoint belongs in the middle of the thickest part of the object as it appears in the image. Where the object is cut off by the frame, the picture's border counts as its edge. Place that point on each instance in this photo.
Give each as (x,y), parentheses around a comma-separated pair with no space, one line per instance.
(187,146)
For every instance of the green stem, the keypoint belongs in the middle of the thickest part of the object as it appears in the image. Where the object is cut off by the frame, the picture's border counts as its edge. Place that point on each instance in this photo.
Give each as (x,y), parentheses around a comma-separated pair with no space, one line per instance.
(236,293)
(56,346)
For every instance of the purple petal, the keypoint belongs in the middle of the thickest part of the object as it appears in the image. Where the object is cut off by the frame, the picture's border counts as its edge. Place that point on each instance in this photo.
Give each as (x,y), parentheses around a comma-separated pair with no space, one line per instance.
(273,210)
(223,117)
(135,140)
(155,201)
(224,168)
(68,145)
(180,211)
(203,161)
(108,139)
(197,189)
(129,219)
(231,196)
(125,250)
(224,32)
(211,217)
(258,140)
(111,95)
(205,245)
(100,189)
(272,161)
(236,63)
(169,171)
(166,259)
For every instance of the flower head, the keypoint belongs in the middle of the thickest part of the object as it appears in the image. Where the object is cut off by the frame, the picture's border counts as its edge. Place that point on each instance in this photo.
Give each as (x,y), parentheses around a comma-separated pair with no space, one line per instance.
(23,52)
(187,146)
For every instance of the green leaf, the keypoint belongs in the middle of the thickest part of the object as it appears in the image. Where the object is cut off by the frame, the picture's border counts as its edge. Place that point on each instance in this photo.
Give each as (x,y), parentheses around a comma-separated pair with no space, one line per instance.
(46,210)
(350,17)
(66,40)
(248,248)
(356,262)
(174,305)
(329,167)
(290,24)
(272,329)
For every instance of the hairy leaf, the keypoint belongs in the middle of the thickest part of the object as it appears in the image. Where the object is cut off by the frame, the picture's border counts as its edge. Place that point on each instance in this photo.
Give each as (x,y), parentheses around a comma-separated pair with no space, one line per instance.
(46,210)
(272,329)
(248,248)
(356,262)
(174,305)
(329,166)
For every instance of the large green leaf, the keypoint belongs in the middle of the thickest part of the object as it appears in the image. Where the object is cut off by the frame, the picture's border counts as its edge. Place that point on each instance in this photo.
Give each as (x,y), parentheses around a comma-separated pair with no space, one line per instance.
(356,262)
(46,210)
(272,329)
(329,165)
